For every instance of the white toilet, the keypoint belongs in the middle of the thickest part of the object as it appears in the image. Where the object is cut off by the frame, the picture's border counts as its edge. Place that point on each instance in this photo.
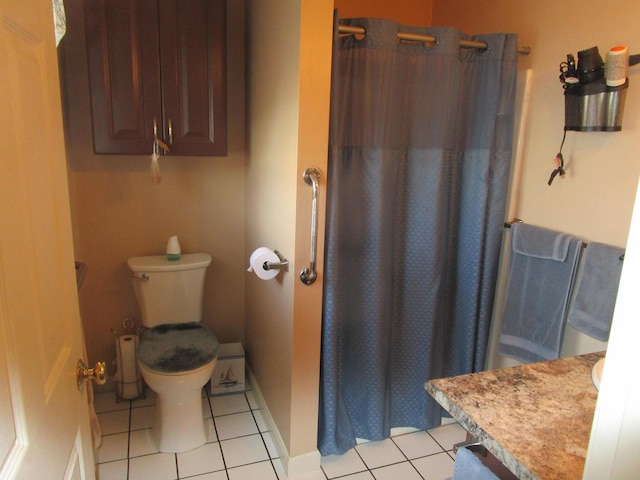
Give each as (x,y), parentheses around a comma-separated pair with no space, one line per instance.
(177,354)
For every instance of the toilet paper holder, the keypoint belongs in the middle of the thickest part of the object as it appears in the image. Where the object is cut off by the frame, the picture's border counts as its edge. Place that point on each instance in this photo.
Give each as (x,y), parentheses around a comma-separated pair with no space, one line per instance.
(283,264)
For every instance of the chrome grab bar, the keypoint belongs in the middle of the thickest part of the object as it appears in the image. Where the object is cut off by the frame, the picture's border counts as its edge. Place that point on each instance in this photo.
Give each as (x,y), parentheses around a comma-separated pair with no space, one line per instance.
(311,176)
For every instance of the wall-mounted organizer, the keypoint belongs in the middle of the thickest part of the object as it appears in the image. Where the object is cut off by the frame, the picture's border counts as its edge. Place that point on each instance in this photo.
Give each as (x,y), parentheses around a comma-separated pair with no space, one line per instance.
(595,92)
(594,107)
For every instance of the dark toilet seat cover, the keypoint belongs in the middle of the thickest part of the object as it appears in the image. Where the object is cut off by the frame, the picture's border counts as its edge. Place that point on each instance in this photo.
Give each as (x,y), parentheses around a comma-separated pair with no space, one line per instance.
(177,347)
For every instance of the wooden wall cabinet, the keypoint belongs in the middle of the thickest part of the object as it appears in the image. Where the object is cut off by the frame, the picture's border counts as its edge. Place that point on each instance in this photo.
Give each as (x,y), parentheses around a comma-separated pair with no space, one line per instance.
(157,62)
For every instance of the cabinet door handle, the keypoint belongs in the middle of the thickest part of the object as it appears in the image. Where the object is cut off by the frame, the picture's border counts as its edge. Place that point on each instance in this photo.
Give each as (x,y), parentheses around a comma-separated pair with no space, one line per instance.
(157,143)
(170,132)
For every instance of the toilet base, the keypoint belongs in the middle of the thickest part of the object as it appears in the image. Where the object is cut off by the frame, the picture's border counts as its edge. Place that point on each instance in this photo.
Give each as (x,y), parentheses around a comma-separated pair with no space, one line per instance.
(180,426)
(179,422)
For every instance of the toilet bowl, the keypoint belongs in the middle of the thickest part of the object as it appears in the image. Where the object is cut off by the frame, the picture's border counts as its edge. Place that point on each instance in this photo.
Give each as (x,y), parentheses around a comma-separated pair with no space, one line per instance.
(176,360)
(177,354)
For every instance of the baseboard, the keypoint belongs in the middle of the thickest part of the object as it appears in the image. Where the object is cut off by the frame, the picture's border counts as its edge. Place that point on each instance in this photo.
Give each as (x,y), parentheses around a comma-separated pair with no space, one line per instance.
(301,465)
(293,466)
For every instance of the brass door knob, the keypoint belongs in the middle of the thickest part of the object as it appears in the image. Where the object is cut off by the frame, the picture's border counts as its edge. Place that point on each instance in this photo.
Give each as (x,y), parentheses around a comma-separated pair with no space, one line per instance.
(98,373)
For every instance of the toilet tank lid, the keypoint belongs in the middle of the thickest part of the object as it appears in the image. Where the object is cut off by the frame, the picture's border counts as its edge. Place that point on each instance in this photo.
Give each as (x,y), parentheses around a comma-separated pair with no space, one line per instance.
(160,263)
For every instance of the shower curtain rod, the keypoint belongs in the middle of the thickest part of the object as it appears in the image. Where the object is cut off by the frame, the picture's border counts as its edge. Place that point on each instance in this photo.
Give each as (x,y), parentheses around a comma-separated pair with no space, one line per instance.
(351,30)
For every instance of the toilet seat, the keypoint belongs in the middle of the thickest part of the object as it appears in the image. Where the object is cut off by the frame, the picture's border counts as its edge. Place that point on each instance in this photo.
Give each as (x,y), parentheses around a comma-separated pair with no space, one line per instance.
(176,348)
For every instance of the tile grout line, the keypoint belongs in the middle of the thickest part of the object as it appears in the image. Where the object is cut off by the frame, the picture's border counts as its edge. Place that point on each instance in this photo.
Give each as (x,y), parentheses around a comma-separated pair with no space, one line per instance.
(129,437)
(215,429)
(407,459)
(245,398)
(264,443)
(447,452)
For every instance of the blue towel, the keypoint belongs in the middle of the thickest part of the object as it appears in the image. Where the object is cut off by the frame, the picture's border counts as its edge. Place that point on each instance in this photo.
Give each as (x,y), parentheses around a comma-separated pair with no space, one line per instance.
(540,242)
(541,273)
(469,467)
(594,298)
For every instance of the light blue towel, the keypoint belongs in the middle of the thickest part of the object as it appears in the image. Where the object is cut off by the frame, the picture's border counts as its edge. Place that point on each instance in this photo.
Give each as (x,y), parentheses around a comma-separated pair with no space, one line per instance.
(469,467)
(594,298)
(541,273)
(538,242)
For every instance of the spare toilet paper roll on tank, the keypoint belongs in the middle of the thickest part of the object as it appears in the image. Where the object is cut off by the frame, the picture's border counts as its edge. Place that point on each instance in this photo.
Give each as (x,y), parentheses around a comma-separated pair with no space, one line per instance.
(258,257)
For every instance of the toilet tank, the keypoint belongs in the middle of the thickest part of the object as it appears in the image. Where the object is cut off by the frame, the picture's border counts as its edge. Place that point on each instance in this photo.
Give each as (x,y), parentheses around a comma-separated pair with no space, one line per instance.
(169,291)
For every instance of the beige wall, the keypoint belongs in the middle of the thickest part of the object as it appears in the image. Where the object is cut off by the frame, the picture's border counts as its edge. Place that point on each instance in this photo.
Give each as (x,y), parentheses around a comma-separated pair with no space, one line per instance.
(289,46)
(595,200)
(118,213)
(407,12)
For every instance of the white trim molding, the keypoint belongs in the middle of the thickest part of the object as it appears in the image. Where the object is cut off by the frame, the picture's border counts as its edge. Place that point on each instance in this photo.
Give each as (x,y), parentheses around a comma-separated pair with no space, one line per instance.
(294,466)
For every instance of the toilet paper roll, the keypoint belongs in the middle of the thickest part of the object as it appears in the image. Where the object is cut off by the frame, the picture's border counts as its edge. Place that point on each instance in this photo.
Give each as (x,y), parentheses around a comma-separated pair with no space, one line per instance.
(128,378)
(256,262)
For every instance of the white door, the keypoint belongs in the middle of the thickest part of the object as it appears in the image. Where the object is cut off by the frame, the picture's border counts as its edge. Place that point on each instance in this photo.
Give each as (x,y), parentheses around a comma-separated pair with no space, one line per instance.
(44,421)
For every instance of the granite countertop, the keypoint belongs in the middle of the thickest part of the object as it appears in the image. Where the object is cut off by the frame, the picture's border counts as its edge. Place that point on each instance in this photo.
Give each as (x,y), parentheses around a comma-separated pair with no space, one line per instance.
(536,419)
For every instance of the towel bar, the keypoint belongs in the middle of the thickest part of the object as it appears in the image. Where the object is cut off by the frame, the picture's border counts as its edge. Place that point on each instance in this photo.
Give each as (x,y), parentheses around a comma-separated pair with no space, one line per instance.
(472,444)
(517,220)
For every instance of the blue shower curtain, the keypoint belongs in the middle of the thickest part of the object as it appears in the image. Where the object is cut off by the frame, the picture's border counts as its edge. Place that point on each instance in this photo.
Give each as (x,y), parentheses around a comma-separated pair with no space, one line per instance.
(420,153)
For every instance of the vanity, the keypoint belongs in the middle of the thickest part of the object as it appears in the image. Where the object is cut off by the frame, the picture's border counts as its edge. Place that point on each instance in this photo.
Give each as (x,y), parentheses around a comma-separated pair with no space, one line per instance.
(534,419)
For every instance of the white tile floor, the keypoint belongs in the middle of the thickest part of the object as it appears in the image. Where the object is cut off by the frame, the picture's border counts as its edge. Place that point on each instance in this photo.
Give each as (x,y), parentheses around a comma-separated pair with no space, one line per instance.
(240,447)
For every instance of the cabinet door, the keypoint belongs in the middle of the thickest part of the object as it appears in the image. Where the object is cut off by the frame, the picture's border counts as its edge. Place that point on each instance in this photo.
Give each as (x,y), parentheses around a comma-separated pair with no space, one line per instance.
(124,72)
(192,49)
